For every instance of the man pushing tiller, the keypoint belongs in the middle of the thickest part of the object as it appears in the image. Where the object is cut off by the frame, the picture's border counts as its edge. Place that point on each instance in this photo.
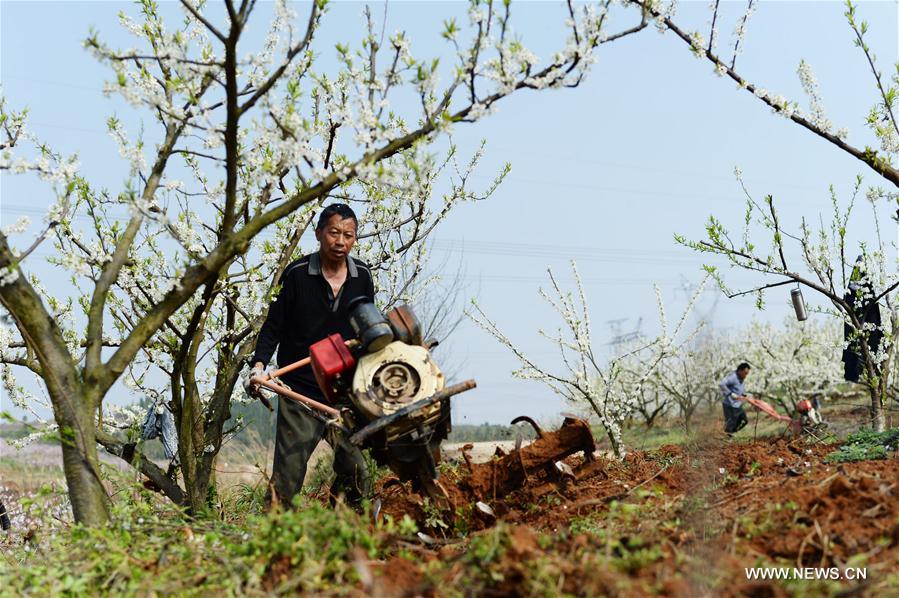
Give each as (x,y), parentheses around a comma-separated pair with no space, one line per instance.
(313,303)
(733,394)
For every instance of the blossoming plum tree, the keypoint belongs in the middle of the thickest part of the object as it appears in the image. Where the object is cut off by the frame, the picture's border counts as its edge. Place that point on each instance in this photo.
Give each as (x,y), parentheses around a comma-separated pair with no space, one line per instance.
(242,141)
(606,389)
(793,360)
(823,267)
(690,377)
(790,361)
(824,257)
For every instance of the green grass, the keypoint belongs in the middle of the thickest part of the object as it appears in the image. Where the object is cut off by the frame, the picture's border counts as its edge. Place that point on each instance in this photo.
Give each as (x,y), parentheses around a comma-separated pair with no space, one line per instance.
(637,437)
(651,439)
(152,547)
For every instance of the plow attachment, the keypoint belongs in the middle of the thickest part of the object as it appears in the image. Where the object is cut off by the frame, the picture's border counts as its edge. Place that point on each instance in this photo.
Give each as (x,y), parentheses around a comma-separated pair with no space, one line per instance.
(540,461)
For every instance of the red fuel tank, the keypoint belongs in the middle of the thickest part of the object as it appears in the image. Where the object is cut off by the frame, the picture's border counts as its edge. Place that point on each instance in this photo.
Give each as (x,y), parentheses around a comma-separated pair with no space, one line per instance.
(330,358)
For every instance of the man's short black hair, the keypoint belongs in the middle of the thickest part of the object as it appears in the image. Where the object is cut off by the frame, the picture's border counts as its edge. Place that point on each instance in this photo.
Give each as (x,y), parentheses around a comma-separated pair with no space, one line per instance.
(341,209)
(743,366)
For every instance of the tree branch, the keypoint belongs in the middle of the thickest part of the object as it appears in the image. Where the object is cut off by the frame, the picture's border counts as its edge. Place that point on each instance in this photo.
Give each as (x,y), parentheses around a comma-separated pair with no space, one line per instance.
(869,156)
(212,29)
(154,473)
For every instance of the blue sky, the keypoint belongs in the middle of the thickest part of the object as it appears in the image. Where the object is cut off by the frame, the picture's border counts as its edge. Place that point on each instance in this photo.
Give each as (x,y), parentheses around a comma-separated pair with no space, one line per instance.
(604,174)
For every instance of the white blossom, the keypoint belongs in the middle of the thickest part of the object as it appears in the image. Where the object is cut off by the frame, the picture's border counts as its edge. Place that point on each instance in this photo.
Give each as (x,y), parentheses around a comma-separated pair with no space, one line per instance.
(20,226)
(810,84)
(8,275)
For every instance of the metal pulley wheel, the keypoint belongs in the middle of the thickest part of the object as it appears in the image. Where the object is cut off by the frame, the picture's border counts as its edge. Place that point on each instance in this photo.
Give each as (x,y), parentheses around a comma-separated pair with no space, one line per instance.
(405,325)
(396,382)
(399,374)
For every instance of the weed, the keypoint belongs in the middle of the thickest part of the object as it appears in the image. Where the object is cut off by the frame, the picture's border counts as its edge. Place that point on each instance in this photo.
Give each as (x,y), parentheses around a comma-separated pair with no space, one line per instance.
(585,525)
(245,498)
(484,556)
(632,556)
(671,525)
(665,459)
(449,467)
(643,493)
(866,445)
(406,527)
(692,504)
(434,517)
(320,478)
(488,548)
(462,517)
(552,500)
(755,526)
(543,576)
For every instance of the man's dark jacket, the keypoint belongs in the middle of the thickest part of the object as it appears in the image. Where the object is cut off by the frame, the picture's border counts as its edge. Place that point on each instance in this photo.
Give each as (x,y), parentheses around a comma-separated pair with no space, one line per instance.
(860,298)
(305,312)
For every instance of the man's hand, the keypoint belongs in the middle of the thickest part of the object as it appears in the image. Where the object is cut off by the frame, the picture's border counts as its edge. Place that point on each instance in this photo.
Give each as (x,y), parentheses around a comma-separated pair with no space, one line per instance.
(253,389)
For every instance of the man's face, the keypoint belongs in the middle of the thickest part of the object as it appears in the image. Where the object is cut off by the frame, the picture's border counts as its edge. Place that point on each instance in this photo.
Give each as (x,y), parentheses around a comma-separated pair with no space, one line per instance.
(741,374)
(336,238)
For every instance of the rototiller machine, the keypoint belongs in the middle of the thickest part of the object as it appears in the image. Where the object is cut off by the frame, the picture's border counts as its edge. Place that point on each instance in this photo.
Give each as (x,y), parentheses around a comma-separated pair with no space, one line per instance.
(384,392)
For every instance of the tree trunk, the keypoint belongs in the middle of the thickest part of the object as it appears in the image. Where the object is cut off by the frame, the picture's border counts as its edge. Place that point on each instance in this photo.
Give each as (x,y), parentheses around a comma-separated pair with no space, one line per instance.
(877,416)
(199,486)
(74,402)
(199,441)
(616,448)
(208,428)
(190,450)
(90,503)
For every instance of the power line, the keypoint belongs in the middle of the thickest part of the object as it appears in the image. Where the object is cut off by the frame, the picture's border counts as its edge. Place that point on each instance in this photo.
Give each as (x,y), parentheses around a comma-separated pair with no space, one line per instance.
(57,83)
(703,175)
(628,190)
(580,253)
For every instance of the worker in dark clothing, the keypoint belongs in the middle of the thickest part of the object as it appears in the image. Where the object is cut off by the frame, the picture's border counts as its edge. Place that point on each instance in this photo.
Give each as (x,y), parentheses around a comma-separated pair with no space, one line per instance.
(732,395)
(311,305)
(860,297)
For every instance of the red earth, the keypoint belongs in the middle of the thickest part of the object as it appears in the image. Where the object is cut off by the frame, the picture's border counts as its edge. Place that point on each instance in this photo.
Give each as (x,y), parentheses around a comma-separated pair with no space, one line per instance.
(677,521)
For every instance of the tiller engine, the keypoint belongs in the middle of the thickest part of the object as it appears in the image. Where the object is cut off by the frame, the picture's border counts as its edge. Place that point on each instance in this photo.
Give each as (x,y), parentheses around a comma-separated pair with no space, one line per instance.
(384,393)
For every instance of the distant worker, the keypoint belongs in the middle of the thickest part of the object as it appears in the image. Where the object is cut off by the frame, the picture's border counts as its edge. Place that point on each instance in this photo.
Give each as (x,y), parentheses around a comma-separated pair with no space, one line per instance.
(732,395)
